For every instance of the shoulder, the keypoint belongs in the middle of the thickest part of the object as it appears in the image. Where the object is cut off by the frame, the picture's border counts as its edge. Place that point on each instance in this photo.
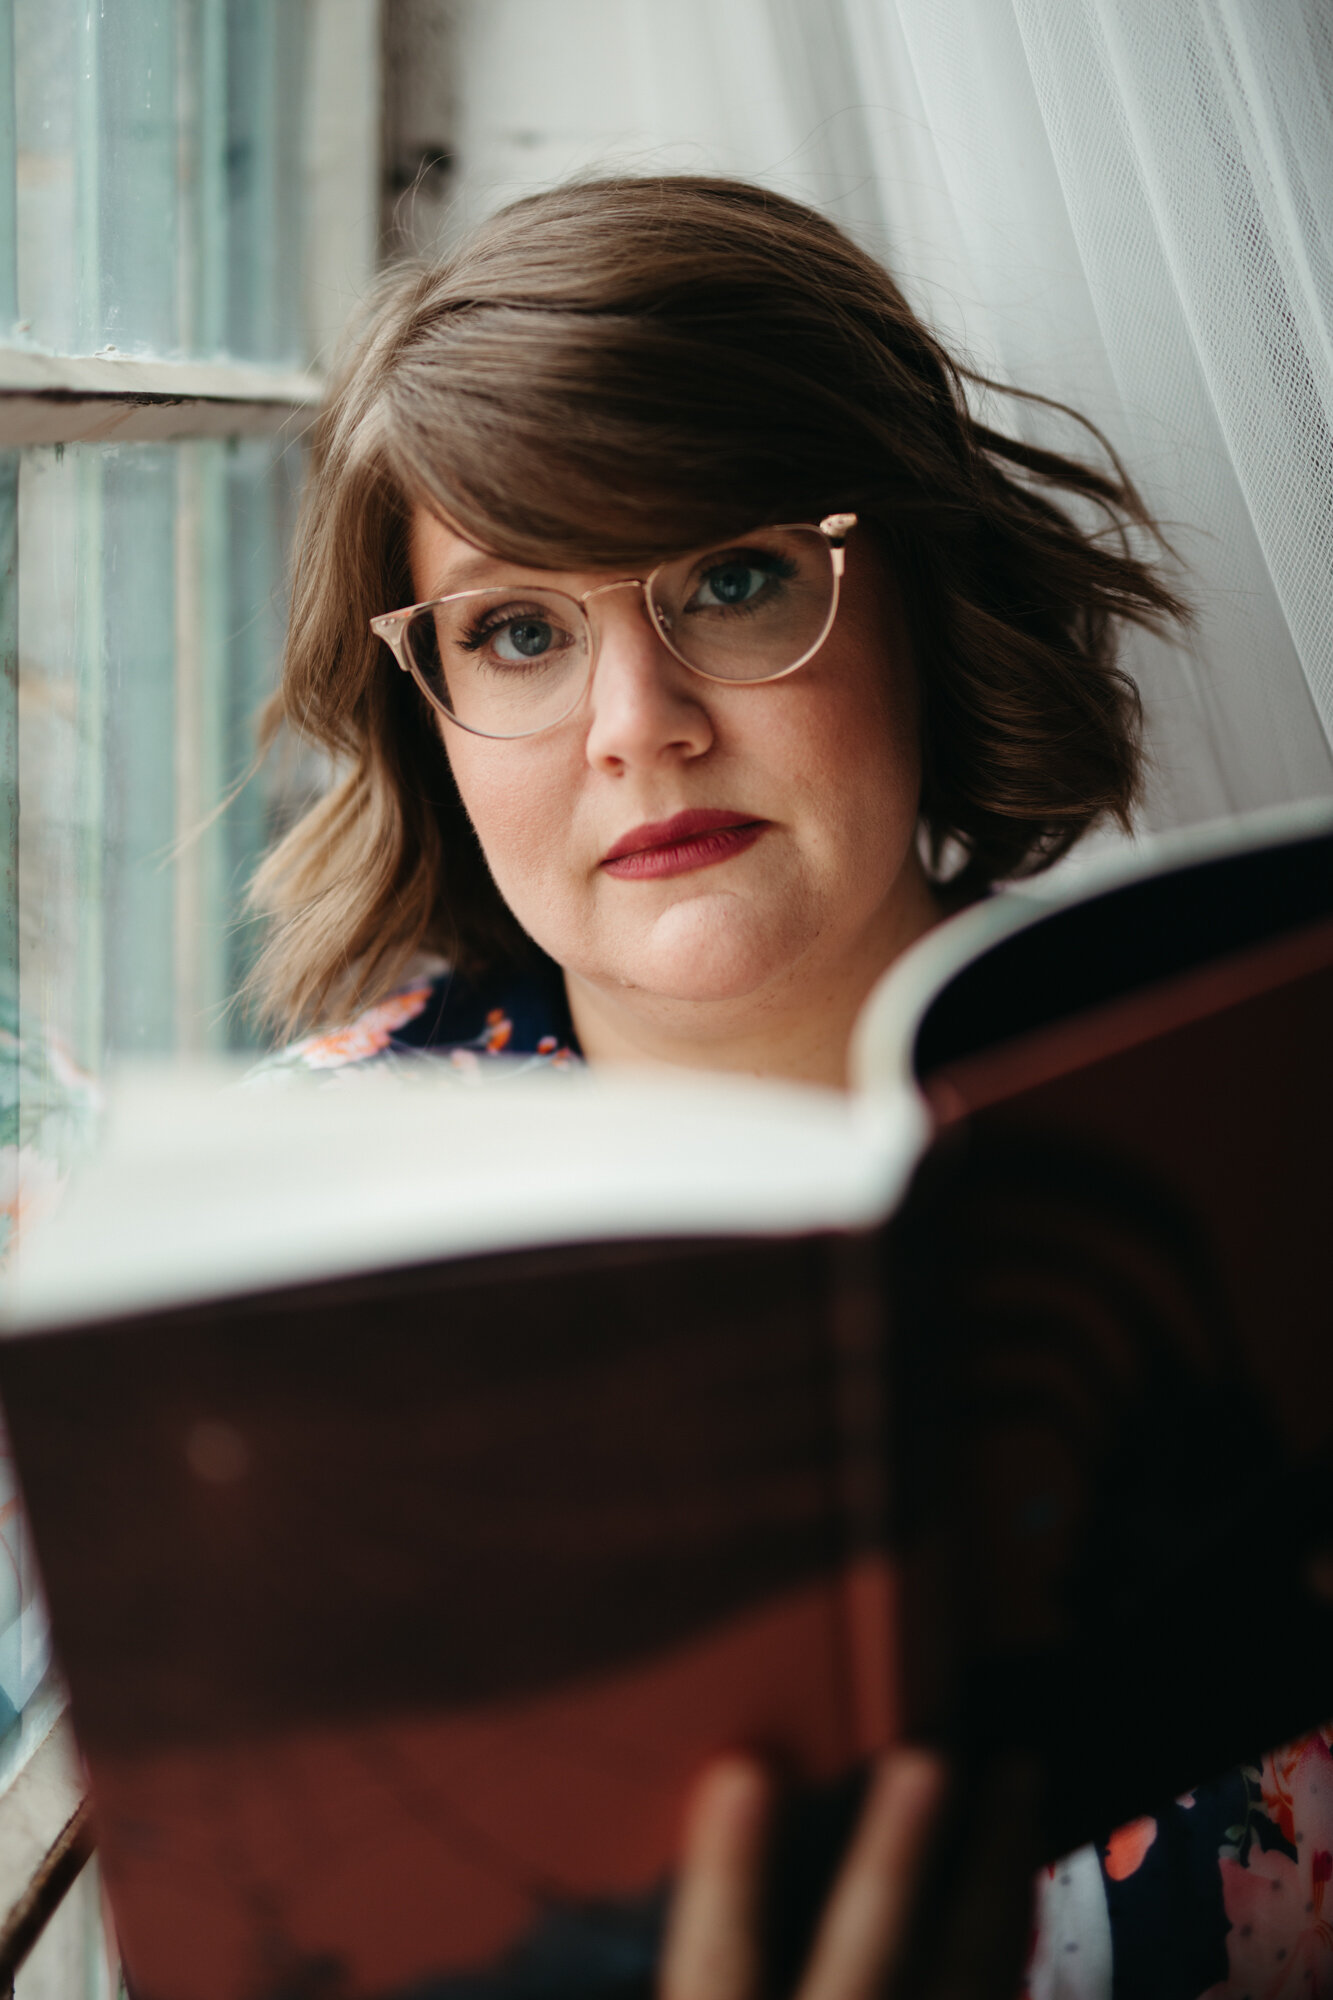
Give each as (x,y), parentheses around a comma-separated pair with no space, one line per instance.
(441,1014)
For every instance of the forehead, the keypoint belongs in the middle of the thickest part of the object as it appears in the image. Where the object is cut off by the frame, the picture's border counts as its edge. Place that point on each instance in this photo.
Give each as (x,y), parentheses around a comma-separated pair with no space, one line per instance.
(444,560)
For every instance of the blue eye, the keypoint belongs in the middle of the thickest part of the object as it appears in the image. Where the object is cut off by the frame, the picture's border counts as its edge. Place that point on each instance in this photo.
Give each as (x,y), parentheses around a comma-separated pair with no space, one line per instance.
(740,580)
(732,583)
(516,638)
(524,638)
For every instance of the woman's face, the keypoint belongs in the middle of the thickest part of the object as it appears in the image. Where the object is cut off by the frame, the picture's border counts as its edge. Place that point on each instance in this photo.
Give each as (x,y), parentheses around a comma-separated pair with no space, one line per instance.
(811,784)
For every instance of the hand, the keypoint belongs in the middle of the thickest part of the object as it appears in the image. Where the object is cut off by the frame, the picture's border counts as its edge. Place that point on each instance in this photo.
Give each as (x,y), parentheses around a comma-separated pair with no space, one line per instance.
(931,1903)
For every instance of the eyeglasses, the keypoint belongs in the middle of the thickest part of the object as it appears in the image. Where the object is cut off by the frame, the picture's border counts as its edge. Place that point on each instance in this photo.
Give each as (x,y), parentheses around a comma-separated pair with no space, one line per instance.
(516,659)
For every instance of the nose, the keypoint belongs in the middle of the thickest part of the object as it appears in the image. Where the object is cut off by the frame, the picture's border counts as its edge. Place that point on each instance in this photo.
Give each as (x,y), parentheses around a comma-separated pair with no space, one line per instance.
(645,706)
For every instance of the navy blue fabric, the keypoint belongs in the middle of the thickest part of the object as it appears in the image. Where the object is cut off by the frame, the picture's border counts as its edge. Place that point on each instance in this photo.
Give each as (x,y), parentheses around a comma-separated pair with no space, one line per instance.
(532,1000)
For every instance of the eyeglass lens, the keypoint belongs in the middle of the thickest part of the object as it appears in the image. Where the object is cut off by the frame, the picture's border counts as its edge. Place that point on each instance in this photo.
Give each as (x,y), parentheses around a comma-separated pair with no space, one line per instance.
(513,660)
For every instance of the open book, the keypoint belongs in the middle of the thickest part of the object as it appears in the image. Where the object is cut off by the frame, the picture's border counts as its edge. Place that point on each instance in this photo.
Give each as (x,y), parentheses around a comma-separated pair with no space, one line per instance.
(428,1479)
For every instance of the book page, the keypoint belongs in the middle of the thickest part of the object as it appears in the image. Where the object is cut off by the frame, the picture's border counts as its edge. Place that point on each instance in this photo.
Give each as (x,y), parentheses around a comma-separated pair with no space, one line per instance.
(200,1189)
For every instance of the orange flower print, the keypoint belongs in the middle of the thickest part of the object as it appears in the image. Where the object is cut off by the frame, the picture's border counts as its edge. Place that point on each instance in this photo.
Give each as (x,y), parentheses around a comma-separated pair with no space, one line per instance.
(498,1033)
(366,1035)
(1280,1944)
(1127,1847)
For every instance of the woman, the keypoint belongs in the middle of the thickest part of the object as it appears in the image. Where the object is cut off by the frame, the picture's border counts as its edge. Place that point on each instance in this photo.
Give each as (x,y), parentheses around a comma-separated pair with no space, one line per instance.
(608,377)
(687,647)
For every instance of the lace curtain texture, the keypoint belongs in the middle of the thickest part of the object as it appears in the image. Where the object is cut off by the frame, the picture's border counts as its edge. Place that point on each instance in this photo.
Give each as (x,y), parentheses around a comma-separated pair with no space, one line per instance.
(1123,204)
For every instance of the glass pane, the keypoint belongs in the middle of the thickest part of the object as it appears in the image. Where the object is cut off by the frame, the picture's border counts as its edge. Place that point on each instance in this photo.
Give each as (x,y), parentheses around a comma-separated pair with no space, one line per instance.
(30,1695)
(157,176)
(140,624)
(127,139)
(46,85)
(150,615)
(260,495)
(263,251)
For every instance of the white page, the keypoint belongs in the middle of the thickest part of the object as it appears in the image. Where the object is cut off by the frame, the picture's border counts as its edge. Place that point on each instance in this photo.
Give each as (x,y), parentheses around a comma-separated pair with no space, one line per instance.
(200,1189)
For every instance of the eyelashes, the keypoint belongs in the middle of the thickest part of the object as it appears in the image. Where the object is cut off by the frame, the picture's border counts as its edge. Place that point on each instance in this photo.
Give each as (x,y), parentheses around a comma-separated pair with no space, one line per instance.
(491,622)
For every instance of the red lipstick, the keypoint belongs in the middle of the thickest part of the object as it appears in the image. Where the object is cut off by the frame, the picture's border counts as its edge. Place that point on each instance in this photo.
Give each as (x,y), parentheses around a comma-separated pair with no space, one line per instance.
(694,839)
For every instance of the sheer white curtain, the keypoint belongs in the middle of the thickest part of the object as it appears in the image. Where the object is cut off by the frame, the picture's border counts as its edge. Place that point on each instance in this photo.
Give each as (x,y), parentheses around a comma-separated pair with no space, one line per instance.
(1125,204)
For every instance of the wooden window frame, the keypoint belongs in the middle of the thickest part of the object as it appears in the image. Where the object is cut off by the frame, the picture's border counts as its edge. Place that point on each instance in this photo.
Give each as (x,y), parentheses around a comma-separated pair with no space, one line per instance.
(48,399)
(51,399)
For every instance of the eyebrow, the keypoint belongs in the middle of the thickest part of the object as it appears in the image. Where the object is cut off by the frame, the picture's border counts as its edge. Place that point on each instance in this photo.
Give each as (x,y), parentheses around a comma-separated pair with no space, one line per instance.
(479,569)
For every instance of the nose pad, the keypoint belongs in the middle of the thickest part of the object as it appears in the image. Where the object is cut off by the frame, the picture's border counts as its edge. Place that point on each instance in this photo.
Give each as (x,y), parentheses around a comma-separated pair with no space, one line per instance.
(621,583)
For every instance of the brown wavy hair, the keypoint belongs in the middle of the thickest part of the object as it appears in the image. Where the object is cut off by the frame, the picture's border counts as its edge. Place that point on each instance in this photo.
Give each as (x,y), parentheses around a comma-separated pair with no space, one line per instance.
(624,369)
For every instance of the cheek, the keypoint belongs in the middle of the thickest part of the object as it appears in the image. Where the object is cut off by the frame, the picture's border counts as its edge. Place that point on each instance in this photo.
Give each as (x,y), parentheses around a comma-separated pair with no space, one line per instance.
(850,740)
(880,725)
(518,804)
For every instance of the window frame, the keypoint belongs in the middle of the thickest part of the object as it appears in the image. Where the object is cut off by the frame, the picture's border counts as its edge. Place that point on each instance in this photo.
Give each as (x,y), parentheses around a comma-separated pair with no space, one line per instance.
(48,399)
(52,399)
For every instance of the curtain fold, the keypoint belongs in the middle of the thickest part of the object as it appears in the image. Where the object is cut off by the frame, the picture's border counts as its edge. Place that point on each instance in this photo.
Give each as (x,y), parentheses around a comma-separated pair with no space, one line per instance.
(1177,183)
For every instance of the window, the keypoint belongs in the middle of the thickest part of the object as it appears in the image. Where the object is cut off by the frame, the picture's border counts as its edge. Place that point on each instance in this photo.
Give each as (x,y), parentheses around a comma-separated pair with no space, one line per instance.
(188,196)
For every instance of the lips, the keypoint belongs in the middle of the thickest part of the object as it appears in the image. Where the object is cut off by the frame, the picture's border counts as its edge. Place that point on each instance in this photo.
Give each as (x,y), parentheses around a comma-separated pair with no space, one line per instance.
(688,840)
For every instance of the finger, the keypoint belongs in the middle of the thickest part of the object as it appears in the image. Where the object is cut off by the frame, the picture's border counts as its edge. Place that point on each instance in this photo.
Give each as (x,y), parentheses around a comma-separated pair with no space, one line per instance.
(869,1911)
(712,1946)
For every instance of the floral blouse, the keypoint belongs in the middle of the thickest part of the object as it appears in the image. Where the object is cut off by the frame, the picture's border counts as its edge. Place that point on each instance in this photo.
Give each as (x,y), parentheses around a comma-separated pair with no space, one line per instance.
(1220,1896)
(441,1014)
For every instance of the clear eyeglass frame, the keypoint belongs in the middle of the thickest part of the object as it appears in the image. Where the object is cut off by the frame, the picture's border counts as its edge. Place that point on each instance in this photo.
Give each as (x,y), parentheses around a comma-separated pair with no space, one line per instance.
(393,626)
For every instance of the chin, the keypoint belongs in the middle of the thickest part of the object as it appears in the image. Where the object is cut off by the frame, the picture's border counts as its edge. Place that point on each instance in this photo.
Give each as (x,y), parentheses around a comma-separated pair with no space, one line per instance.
(712,948)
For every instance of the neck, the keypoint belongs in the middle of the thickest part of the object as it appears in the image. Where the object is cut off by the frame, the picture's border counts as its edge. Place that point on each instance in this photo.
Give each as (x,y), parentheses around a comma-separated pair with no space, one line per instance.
(798,1030)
